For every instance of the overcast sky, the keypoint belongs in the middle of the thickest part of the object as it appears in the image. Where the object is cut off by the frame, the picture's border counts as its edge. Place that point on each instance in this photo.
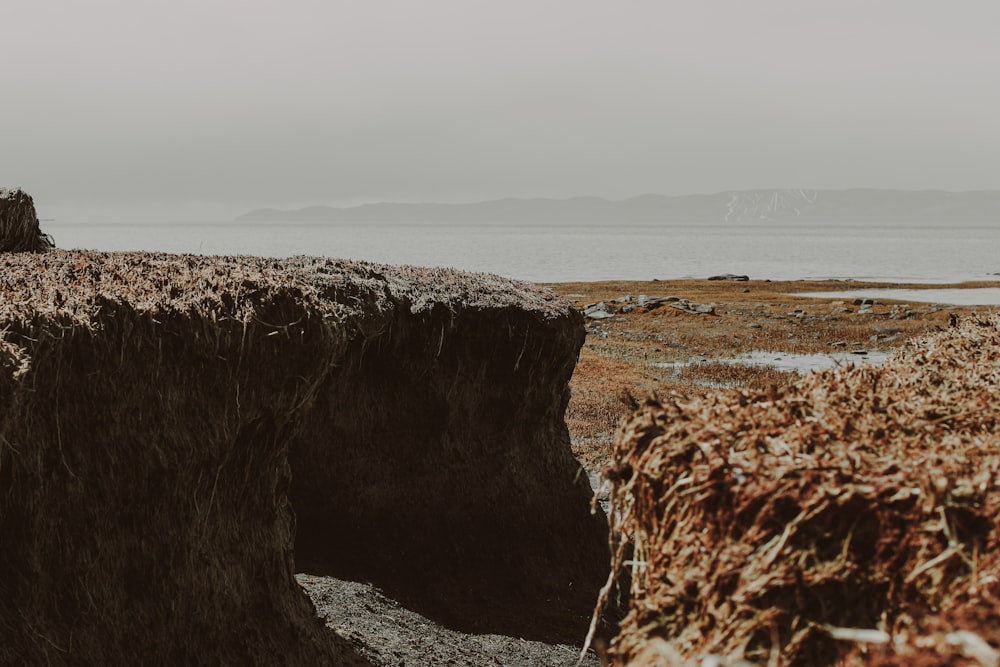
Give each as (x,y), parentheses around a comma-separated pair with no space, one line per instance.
(204,109)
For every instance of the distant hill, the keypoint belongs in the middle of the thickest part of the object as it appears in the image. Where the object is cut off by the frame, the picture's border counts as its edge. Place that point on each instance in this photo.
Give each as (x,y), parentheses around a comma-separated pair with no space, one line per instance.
(858,205)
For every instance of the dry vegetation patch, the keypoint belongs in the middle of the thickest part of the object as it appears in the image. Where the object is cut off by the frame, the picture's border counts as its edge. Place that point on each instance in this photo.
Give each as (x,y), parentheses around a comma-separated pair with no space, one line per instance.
(621,351)
(849,518)
(734,375)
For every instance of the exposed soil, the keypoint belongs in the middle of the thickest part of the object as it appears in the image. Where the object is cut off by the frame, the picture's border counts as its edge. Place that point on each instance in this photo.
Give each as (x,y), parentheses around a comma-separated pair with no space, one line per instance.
(165,420)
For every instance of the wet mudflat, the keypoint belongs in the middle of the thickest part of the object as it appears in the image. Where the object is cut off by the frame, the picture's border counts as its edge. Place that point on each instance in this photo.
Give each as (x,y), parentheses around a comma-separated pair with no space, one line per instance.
(976,296)
(785,362)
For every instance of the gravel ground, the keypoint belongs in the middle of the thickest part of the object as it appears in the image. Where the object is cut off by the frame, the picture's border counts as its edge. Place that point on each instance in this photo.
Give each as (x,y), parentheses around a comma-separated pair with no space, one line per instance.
(390,635)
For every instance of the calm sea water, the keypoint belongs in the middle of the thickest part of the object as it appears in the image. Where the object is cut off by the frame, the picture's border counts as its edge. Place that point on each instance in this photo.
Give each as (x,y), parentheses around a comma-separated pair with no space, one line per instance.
(543,253)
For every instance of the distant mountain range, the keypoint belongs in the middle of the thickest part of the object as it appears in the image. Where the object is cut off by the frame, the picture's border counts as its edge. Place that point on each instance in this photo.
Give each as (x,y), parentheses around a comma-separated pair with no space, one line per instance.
(748,206)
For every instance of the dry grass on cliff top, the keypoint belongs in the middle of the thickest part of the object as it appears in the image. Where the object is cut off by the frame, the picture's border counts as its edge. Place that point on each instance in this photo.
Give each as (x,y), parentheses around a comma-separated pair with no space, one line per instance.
(850,518)
(74,284)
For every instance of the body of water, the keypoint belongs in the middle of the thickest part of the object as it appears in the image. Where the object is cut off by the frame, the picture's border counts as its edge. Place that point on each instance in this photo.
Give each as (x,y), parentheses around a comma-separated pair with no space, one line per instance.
(956,297)
(793,361)
(549,253)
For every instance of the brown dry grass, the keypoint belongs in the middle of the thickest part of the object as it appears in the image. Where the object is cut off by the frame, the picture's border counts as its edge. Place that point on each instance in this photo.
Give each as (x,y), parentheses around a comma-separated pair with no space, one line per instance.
(850,518)
(601,389)
(756,315)
(716,374)
(606,389)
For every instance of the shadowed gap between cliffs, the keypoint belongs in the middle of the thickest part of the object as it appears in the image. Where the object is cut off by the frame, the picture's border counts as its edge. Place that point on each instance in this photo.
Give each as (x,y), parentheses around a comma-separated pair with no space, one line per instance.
(436,465)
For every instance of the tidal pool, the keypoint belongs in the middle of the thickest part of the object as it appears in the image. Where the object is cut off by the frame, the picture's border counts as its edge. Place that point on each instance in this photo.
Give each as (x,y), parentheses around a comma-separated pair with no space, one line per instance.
(975,296)
(792,361)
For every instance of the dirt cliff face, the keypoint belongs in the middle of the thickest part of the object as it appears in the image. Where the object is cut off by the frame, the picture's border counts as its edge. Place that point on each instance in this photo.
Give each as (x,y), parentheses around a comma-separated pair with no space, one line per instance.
(149,408)
(436,463)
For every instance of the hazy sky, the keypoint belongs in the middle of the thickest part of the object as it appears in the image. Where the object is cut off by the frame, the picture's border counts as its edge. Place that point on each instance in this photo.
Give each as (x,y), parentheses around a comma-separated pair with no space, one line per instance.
(146,109)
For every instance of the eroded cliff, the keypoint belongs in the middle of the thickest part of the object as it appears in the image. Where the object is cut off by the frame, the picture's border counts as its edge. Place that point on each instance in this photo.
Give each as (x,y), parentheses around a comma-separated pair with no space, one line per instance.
(19,229)
(165,419)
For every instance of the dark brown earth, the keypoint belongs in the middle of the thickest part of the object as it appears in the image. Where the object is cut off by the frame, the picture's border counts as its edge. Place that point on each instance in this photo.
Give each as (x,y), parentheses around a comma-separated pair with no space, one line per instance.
(167,419)
(426,466)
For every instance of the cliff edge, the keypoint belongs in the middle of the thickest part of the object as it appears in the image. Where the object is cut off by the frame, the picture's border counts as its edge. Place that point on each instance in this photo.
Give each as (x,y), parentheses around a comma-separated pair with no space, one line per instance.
(179,435)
